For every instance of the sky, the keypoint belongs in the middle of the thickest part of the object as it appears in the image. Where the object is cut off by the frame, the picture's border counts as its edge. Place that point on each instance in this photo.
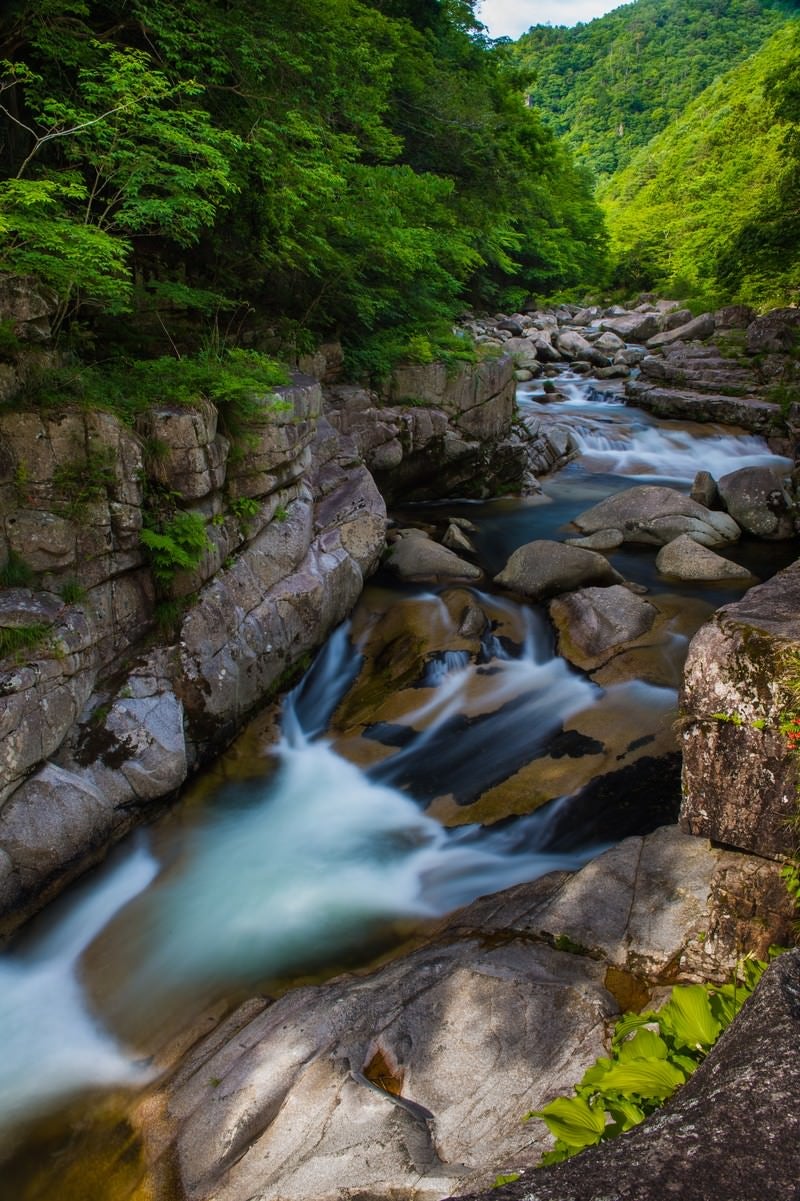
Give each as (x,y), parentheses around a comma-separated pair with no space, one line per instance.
(510,18)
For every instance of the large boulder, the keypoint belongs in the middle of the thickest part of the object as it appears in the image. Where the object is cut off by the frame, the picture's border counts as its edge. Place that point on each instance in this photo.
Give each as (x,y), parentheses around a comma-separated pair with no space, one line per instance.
(740,775)
(632,327)
(574,346)
(656,514)
(695,330)
(542,569)
(732,1133)
(686,559)
(759,501)
(596,623)
(777,332)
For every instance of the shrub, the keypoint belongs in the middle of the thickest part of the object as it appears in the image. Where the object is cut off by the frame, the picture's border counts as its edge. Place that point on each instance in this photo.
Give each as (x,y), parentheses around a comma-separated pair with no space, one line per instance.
(178,545)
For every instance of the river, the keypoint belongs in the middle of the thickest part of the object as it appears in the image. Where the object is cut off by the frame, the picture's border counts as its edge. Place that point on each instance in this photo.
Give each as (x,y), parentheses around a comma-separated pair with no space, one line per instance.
(477,762)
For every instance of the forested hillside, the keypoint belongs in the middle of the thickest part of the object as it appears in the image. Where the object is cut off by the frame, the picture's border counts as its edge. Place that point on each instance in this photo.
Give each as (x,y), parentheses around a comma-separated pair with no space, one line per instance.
(712,204)
(612,84)
(361,166)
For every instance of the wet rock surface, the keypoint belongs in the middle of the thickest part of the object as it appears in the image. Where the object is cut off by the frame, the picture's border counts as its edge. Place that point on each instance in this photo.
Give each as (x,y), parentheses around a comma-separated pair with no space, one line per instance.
(541,569)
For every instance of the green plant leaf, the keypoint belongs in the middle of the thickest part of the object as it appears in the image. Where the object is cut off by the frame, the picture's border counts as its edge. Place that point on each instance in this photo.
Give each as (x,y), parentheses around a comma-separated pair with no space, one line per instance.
(689,1018)
(655,1078)
(573,1120)
(645,1044)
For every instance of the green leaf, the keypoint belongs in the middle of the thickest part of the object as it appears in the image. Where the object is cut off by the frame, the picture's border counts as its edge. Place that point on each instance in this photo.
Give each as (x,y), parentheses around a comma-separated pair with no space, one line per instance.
(656,1078)
(573,1120)
(625,1113)
(689,1018)
(645,1044)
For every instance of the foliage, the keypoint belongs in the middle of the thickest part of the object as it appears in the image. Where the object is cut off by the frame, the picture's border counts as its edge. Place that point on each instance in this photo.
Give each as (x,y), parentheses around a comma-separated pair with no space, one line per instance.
(177,545)
(610,85)
(71,592)
(652,1054)
(16,641)
(15,572)
(711,203)
(239,382)
(83,482)
(363,164)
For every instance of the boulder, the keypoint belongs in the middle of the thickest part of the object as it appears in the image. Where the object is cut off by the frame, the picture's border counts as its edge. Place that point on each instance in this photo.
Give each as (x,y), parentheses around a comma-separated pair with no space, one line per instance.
(758,500)
(734,316)
(656,514)
(695,330)
(740,775)
(776,332)
(632,327)
(609,342)
(573,346)
(704,490)
(675,319)
(686,559)
(417,557)
(731,1133)
(595,623)
(542,569)
(599,540)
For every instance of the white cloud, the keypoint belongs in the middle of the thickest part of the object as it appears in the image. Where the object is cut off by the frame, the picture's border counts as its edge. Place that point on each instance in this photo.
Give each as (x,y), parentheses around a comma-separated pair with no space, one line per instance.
(510,18)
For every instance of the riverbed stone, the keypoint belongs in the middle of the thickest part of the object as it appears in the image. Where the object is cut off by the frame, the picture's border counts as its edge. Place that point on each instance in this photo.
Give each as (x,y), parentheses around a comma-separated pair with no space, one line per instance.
(599,540)
(417,557)
(632,327)
(704,489)
(740,775)
(694,1148)
(595,623)
(696,330)
(776,332)
(656,514)
(760,502)
(542,569)
(687,559)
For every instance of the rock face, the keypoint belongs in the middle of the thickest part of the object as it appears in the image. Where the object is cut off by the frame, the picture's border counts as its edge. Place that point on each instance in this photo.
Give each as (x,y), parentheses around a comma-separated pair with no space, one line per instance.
(654,514)
(542,569)
(693,1149)
(739,775)
(368,1085)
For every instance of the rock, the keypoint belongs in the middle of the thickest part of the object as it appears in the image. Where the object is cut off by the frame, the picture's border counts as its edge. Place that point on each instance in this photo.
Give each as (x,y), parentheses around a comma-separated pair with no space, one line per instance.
(656,514)
(599,540)
(455,539)
(192,455)
(573,346)
(675,319)
(776,332)
(740,776)
(367,1085)
(420,558)
(751,412)
(692,1148)
(632,327)
(615,371)
(28,305)
(586,316)
(595,623)
(704,490)
(697,330)
(609,342)
(758,500)
(513,326)
(542,569)
(687,559)
(631,356)
(734,316)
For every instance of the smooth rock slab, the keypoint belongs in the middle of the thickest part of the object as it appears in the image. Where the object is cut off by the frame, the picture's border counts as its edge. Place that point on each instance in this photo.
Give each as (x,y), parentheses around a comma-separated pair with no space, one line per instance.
(542,569)
(686,559)
(757,498)
(732,1133)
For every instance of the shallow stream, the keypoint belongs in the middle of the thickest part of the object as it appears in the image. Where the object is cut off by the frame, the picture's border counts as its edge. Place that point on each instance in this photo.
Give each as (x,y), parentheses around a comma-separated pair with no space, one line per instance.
(419,766)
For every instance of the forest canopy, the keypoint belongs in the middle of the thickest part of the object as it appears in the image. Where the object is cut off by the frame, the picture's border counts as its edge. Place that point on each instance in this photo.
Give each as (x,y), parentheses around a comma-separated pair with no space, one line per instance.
(363,167)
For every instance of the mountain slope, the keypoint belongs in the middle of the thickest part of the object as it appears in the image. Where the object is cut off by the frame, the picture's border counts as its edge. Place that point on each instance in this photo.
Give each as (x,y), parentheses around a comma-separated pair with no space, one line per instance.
(608,86)
(714,200)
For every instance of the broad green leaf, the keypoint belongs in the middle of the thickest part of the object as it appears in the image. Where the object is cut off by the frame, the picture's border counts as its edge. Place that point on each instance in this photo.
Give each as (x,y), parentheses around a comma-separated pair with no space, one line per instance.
(645,1044)
(689,1018)
(625,1113)
(573,1120)
(644,1078)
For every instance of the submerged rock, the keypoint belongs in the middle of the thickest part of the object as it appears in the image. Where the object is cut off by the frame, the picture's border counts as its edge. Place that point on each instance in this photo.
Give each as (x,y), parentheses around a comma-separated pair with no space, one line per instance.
(542,569)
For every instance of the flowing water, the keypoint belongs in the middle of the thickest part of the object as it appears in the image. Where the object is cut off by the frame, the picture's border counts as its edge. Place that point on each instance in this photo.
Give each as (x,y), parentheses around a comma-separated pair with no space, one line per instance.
(407,782)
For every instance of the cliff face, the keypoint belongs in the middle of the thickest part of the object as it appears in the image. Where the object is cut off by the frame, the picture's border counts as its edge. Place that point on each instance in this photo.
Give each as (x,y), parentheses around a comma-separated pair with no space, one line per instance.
(103,715)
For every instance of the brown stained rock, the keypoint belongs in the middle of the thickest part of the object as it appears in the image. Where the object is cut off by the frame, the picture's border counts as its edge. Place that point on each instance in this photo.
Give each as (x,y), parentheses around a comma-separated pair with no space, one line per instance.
(731,1133)
(739,776)
(596,623)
